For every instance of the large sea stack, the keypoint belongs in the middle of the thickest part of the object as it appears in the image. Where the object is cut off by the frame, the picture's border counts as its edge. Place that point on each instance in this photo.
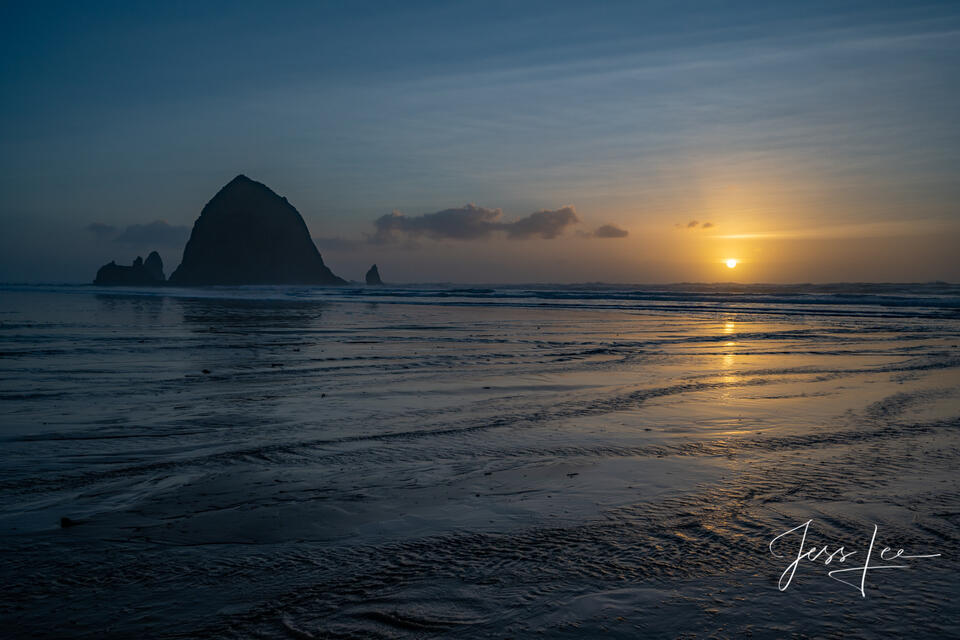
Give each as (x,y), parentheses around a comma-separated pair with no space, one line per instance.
(249,235)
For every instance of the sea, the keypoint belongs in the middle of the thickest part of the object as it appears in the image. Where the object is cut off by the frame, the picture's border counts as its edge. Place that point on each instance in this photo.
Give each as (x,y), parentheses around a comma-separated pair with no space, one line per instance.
(444,461)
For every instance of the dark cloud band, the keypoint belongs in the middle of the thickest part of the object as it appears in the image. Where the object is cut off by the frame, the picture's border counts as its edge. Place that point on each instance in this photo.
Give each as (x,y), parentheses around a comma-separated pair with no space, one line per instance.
(471,222)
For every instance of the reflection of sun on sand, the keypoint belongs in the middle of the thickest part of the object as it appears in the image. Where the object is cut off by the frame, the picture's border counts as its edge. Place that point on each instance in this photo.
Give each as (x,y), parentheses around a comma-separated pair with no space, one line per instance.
(729,376)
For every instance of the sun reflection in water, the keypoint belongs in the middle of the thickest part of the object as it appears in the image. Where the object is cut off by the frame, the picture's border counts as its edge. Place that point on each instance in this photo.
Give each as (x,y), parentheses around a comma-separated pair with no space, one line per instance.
(727,362)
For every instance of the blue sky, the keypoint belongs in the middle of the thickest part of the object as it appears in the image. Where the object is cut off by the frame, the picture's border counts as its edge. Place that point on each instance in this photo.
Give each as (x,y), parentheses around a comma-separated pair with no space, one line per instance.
(799,130)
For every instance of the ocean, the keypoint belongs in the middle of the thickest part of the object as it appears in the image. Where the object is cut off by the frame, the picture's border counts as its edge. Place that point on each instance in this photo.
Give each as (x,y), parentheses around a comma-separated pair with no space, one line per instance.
(480,462)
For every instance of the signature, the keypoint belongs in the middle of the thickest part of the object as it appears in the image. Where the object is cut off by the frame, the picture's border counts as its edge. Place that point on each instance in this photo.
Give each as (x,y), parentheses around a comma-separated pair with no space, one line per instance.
(838,555)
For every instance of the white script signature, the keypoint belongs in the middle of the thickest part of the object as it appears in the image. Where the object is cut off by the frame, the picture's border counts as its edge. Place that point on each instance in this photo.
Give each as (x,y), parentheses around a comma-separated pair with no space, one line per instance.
(839,555)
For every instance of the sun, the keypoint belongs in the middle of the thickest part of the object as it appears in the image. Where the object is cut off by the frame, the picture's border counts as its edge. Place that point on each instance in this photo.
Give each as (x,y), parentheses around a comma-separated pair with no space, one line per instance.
(731,263)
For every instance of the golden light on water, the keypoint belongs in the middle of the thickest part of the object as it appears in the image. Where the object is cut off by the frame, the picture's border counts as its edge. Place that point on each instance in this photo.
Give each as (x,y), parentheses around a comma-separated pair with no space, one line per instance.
(731,263)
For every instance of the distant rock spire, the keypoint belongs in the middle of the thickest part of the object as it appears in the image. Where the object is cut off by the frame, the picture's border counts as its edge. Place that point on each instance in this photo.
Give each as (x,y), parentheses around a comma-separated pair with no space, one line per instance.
(373,276)
(154,266)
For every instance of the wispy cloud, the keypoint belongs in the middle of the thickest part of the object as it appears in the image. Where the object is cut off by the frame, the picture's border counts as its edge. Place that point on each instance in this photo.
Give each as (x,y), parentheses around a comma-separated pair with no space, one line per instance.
(158,232)
(101,230)
(694,224)
(893,228)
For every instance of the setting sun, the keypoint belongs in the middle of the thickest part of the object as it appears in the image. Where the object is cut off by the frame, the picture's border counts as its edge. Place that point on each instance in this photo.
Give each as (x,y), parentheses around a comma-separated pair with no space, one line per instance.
(731,263)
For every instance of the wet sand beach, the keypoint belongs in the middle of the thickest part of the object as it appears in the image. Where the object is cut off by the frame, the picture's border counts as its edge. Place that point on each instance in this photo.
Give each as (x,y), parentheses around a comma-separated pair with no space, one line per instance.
(477,463)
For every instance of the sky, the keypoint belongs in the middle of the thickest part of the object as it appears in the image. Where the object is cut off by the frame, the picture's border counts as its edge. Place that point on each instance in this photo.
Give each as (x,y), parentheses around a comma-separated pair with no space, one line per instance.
(634,142)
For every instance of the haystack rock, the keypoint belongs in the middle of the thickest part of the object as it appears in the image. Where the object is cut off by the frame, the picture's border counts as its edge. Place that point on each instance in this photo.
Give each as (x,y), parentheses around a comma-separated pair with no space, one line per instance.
(373,276)
(249,235)
(139,273)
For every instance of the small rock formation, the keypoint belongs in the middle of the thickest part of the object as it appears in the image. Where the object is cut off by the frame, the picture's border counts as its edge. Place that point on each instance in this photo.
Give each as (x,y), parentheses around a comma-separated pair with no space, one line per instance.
(373,276)
(154,266)
(247,234)
(139,274)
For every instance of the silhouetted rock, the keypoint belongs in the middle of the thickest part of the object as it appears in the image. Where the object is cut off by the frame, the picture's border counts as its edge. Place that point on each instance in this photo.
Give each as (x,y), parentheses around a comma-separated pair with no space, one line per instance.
(140,273)
(154,266)
(247,234)
(373,276)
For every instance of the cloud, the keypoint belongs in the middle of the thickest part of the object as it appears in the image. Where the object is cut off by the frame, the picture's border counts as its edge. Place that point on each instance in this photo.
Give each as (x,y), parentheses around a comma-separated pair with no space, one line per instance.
(471,222)
(544,223)
(100,229)
(335,243)
(610,231)
(693,224)
(156,233)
